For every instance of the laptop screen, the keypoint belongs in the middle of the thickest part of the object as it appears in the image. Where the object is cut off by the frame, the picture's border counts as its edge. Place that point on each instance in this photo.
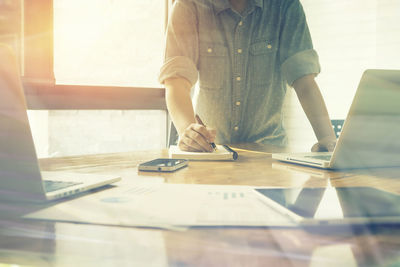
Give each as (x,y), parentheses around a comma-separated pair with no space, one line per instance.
(19,170)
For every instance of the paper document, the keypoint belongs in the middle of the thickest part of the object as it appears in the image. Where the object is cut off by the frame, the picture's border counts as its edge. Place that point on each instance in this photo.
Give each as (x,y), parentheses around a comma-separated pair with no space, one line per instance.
(168,205)
(222,152)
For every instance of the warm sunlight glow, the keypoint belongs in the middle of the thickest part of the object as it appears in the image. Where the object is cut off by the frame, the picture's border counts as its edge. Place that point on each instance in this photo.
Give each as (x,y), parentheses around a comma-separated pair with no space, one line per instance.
(107,42)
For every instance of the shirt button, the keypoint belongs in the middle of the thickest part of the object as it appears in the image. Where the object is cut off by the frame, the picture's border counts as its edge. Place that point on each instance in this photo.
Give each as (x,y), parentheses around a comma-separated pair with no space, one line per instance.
(239,51)
(240,23)
(237,103)
(209,50)
(238,78)
(236,128)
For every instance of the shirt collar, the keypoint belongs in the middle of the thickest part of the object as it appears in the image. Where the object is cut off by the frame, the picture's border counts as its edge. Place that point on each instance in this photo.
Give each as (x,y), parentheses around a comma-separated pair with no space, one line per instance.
(259,3)
(221,5)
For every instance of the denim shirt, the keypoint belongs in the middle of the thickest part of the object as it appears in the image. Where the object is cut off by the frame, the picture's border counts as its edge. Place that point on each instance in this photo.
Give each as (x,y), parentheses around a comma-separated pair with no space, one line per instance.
(243,61)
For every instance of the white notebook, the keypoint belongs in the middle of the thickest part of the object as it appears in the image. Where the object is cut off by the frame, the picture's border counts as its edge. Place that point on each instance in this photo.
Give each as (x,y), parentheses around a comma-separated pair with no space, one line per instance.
(223,152)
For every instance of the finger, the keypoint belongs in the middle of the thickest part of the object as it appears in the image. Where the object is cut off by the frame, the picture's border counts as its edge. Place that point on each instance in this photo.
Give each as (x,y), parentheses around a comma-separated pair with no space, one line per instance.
(196,141)
(189,144)
(184,147)
(328,147)
(318,147)
(204,131)
(197,134)
(315,147)
(198,120)
(331,146)
(323,149)
(213,134)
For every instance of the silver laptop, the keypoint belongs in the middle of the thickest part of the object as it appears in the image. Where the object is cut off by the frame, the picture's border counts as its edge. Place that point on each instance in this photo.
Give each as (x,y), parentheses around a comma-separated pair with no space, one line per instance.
(20,176)
(370,135)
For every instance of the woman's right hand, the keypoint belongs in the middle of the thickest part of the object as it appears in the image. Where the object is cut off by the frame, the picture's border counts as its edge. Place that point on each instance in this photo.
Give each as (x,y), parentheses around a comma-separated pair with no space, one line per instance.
(197,138)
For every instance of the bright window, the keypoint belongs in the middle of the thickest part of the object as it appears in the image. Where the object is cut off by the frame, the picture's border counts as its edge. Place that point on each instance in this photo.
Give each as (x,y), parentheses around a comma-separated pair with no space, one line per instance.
(108,42)
(112,43)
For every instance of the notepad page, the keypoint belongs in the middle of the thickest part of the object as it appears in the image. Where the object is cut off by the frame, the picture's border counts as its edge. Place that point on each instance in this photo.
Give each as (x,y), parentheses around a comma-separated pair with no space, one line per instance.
(219,154)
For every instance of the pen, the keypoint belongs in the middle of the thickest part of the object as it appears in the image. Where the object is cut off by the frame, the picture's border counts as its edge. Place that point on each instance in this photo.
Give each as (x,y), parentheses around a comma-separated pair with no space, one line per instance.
(201,122)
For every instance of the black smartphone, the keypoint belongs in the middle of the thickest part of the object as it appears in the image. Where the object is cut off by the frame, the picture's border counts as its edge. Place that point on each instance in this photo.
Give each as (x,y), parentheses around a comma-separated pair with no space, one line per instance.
(163,165)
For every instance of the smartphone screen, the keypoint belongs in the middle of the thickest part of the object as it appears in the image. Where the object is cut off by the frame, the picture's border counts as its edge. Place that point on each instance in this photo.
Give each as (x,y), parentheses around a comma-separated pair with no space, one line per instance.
(163,165)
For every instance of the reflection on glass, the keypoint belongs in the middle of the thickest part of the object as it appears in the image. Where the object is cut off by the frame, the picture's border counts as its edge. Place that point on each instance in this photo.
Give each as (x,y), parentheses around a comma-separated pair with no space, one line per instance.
(305,171)
(333,255)
(337,203)
(325,208)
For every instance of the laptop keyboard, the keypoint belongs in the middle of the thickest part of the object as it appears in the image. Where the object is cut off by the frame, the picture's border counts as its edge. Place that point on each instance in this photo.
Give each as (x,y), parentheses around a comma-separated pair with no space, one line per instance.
(321,157)
(50,186)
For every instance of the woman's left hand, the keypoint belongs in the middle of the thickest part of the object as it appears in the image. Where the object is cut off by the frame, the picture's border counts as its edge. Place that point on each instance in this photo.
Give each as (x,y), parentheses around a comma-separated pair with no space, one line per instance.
(324,145)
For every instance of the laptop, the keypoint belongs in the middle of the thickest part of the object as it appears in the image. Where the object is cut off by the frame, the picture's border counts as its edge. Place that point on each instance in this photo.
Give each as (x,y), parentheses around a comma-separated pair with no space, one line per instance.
(20,175)
(370,134)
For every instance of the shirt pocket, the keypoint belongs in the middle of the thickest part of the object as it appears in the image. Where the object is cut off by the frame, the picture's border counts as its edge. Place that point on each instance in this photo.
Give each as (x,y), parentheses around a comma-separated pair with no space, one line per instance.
(212,65)
(262,62)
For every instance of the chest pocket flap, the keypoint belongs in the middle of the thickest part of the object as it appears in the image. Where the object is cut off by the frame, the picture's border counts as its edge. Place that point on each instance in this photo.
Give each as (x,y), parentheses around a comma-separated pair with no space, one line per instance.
(212,65)
(262,62)
(213,50)
(263,47)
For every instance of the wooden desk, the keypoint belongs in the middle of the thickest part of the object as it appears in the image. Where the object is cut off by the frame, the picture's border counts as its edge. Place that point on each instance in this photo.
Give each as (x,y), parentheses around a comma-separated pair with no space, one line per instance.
(66,244)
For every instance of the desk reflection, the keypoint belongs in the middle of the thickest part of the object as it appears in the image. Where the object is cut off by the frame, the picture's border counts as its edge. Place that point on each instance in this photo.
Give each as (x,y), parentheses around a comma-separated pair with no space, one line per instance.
(63,244)
(27,243)
(280,247)
(309,172)
(68,244)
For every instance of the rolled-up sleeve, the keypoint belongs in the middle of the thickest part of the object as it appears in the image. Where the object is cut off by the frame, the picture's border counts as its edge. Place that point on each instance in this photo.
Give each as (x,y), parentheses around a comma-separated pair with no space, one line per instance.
(300,64)
(297,55)
(178,66)
(182,49)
